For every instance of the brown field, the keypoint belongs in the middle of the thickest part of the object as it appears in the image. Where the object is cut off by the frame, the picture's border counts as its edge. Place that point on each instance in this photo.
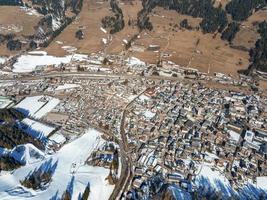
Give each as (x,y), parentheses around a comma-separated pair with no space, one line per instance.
(15,16)
(180,44)
(15,20)
(248,35)
(211,54)
(90,18)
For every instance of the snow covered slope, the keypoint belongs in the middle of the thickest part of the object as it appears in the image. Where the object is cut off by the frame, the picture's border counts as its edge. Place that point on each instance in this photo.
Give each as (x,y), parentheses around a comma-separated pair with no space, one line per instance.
(70,172)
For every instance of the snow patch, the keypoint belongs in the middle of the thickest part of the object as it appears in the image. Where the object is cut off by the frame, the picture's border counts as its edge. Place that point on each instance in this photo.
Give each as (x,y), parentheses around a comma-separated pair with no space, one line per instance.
(103,30)
(27,154)
(67,86)
(2,60)
(262,182)
(37,106)
(28,63)
(38,53)
(132,61)
(36,129)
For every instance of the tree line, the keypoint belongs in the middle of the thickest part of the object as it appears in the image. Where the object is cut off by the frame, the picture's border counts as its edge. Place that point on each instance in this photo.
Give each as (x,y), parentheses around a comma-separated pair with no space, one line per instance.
(258,55)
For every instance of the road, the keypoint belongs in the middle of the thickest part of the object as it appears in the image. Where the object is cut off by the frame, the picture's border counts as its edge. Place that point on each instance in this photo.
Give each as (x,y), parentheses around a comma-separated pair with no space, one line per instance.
(126,161)
(89,75)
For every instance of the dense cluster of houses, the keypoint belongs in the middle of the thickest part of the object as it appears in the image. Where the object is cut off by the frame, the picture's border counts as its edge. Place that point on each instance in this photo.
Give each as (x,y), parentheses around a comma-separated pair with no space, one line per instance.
(174,128)
(174,124)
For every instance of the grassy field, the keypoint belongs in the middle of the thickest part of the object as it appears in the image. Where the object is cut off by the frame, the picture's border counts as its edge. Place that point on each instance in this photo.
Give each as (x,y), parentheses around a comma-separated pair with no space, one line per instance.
(15,20)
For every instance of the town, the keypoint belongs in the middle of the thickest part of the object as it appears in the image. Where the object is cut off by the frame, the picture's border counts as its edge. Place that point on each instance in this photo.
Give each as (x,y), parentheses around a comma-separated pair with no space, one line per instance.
(205,135)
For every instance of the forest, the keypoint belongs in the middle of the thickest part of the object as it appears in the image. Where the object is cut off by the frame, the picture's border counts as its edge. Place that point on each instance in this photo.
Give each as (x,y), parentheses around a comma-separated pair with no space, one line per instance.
(240,10)
(213,19)
(230,32)
(258,55)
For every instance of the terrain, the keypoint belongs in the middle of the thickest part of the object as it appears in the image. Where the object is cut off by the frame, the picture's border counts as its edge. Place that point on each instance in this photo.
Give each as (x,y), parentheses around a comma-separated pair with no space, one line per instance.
(133,99)
(187,46)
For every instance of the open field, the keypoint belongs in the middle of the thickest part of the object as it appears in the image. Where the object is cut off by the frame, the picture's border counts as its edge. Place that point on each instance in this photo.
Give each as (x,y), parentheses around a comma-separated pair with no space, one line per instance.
(206,52)
(89,20)
(248,35)
(211,54)
(17,21)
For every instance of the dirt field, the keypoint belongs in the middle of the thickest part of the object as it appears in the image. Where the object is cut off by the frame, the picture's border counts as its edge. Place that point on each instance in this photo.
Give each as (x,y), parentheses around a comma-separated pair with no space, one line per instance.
(211,54)
(248,35)
(90,21)
(208,52)
(15,20)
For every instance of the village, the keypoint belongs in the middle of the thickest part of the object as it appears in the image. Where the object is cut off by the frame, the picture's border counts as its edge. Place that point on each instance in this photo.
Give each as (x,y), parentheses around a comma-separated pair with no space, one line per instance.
(162,120)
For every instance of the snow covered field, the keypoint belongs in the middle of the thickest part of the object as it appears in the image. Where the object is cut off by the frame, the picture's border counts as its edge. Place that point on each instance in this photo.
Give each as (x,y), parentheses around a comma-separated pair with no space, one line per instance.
(27,63)
(213,180)
(37,106)
(36,129)
(69,173)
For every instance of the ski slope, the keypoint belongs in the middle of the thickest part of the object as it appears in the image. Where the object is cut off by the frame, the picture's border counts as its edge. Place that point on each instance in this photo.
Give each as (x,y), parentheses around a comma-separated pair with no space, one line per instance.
(70,172)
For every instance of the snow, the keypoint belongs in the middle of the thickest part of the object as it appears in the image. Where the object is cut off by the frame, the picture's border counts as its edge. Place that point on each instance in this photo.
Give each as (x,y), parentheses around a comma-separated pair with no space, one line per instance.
(58,138)
(55,24)
(24,154)
(103,30)
(69,49)
(28,63)
(67,86)
(104,40)
(59,42)
(37,106)
(38,53)
(178,193)
(212,175)
(30,11)
(27,154)
(209,178)
(143,97)
(2,60)
(70,172)
(132,61)
(234,136)
(262,182)
(80,57)
(148,114)
(36,129)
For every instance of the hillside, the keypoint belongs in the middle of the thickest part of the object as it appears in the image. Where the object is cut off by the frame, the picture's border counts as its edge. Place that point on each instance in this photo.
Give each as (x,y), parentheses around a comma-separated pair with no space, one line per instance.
(207,35)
